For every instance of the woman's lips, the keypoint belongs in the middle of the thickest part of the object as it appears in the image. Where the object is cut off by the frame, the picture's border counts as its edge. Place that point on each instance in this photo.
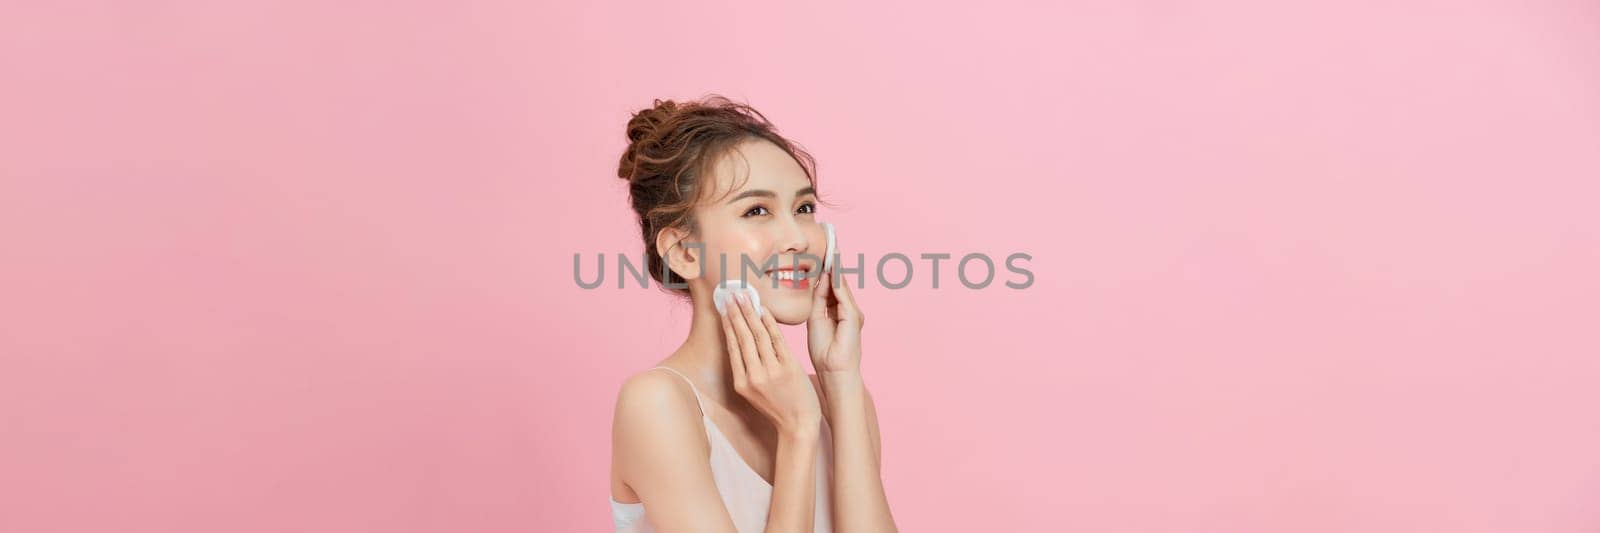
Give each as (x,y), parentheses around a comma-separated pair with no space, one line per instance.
(791,278)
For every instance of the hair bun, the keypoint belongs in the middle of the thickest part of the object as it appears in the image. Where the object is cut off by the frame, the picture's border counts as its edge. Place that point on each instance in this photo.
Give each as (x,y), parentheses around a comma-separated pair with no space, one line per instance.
(642,129)
(645,122)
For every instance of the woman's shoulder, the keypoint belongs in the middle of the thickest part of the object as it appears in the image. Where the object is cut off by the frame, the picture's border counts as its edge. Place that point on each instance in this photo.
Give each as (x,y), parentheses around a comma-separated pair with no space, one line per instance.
(653,398)
(656,419)
(657,388)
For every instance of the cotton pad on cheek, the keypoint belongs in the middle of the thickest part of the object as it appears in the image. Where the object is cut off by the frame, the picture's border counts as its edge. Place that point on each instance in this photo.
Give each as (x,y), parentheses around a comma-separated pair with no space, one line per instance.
(721,297)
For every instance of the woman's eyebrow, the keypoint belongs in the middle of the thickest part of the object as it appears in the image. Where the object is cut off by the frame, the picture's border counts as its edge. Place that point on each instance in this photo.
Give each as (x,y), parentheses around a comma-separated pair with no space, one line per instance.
(769,194)
(752,192)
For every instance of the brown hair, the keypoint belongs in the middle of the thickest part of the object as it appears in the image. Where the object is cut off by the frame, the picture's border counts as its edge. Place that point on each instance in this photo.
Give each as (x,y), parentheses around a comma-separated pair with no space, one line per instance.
(671,147)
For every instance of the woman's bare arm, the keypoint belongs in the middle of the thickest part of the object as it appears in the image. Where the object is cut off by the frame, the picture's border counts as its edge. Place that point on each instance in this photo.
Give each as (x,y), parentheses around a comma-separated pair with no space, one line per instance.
(660,447)
(859,502)
(834,331)
(794,487)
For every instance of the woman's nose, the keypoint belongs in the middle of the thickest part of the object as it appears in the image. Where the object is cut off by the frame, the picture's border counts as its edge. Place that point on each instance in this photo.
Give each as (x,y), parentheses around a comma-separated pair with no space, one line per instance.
(794,239)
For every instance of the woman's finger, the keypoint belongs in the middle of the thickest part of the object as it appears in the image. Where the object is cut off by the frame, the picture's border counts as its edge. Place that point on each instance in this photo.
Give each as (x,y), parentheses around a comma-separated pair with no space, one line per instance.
(735,360)
(759,332)
(848,311)
(753,366)
(780,349)
(820,293)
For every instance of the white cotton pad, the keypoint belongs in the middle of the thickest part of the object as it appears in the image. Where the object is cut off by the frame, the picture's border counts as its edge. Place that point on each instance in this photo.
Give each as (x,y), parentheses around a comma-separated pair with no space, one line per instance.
(721,297)
(828,228)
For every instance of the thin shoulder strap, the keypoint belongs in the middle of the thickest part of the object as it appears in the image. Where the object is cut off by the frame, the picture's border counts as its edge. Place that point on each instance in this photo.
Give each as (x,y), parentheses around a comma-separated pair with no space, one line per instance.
(696,391)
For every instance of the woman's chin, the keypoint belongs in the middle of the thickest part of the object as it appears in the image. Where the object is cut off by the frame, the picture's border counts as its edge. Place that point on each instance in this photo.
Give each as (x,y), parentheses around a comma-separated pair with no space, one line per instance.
(790,314)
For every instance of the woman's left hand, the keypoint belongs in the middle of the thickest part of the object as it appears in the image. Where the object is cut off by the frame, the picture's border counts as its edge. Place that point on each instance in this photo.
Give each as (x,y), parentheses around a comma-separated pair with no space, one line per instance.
(834,329)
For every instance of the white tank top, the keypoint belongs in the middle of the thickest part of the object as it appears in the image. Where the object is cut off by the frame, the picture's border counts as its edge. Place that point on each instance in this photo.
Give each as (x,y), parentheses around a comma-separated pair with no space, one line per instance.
(745,493)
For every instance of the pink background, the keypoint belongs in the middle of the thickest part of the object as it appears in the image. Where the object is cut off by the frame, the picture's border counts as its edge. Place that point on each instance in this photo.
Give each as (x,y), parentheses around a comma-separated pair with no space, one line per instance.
(294,267)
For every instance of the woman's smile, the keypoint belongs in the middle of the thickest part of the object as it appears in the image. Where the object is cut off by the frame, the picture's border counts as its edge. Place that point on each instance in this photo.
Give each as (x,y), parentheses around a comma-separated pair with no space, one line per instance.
(791,277)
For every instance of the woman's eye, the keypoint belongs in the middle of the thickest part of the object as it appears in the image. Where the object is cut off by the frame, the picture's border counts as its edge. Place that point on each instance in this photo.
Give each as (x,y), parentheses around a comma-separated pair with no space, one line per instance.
(753,211)
(808,208)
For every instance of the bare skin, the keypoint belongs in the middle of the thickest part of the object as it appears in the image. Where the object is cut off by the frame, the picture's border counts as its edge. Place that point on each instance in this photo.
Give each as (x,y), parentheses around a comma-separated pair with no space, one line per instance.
(754,388)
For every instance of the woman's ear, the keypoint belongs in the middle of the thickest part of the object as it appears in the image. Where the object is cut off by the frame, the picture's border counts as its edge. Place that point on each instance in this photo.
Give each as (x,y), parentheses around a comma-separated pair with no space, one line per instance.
(680,254)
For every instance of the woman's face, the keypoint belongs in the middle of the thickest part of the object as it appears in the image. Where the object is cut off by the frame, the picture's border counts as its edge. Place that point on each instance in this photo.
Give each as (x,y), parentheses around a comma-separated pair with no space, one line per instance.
(760,213)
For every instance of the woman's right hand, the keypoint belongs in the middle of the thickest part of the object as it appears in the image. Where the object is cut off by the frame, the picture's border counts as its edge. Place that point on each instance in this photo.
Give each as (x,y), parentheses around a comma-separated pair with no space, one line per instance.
(765,374)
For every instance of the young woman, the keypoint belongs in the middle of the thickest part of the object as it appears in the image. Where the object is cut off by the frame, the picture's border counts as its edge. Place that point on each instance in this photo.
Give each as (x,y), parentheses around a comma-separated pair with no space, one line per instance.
(729,433)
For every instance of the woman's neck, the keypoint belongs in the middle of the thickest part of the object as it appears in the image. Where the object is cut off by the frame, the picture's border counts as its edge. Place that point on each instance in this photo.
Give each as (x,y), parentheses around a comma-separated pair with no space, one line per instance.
(703,356)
